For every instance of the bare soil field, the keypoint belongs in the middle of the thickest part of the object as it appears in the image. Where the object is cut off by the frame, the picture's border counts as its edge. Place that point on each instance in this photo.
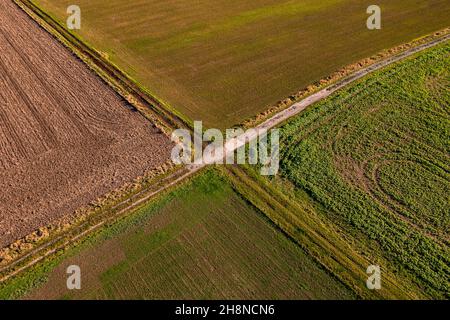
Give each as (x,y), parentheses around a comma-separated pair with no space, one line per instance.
(66,138)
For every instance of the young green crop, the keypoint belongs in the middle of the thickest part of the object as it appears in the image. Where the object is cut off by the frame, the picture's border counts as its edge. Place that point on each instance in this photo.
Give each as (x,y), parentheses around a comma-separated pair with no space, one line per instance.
(200,241)
(376,155)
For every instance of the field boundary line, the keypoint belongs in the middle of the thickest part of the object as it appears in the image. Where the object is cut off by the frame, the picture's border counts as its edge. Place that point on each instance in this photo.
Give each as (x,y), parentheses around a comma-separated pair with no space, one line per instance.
(324,93)
(340,74)
(268,124)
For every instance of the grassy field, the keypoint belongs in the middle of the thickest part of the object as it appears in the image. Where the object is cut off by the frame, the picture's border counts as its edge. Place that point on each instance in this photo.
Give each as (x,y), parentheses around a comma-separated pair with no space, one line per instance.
(225,61)
(201,241)
(376,158)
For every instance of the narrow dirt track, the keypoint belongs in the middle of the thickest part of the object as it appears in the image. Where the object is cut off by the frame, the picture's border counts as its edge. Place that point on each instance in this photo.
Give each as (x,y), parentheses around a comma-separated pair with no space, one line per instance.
(66,138)
(298,107)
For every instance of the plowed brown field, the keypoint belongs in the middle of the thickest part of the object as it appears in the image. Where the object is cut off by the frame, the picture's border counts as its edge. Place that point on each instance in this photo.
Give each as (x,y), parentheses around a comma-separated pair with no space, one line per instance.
(65,137)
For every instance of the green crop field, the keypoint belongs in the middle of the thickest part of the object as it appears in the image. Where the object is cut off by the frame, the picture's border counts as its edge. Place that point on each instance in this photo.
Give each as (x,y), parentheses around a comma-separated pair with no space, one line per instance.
(376,157)
(223,61)
(201,241)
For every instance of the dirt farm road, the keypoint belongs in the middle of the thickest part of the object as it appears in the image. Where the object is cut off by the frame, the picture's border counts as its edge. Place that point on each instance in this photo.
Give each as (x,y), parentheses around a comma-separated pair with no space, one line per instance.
(298,107)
